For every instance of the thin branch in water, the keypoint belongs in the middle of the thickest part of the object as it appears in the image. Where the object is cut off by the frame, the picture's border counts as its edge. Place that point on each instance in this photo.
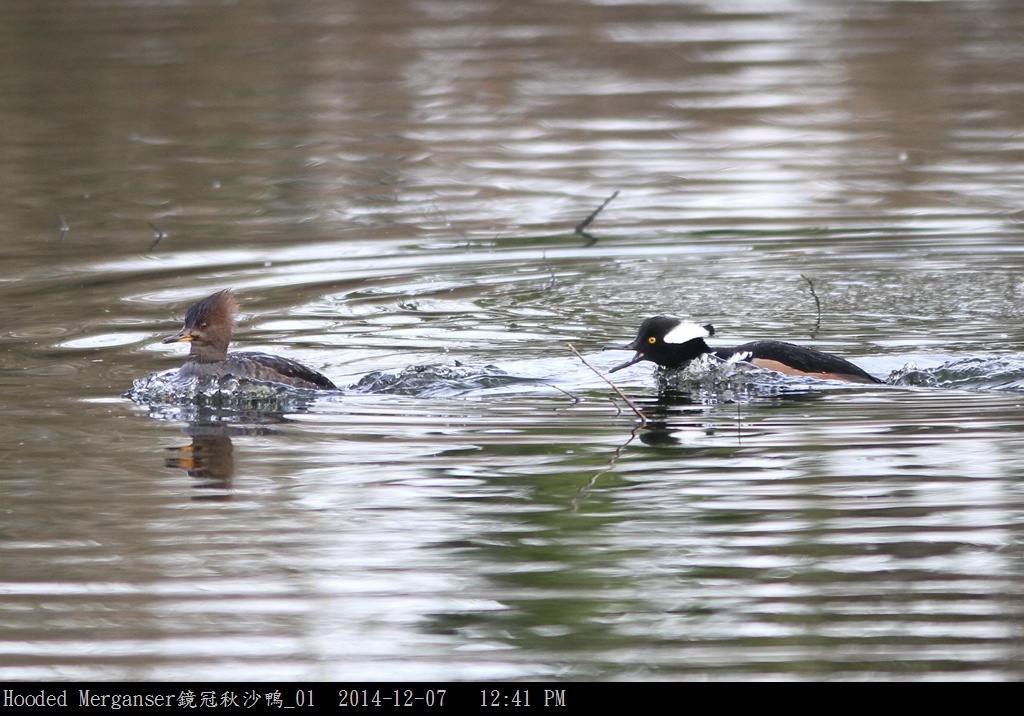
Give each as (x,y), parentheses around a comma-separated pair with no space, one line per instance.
(618,408)
(581,228)
(159,235)
(602,376)
(817,304)
(585,490)
(64,228)
(551,271)
(575,399)
(739,424)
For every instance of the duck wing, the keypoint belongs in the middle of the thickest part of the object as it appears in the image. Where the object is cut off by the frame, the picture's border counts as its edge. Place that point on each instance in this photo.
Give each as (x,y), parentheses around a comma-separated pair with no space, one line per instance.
(792,359)
(275,369)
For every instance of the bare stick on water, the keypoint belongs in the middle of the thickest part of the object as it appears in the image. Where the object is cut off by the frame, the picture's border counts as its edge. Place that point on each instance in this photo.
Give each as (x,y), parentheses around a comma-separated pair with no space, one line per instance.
(602,376)
(817,304)
(159,235)
(582,226)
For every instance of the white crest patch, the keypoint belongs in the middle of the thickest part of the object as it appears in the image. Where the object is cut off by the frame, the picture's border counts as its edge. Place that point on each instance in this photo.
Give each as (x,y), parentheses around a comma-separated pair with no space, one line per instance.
(686,332)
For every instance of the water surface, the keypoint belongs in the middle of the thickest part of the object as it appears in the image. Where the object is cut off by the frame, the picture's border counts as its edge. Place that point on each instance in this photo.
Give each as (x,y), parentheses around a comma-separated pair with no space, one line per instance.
(395,185)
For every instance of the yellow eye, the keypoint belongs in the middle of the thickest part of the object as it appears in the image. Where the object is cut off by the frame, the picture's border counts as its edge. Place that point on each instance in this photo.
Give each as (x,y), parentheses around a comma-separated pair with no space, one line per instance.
(652,340)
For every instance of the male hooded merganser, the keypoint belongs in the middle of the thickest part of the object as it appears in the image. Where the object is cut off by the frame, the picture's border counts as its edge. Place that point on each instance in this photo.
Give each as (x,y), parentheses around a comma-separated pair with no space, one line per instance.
(671,343)
(208,327)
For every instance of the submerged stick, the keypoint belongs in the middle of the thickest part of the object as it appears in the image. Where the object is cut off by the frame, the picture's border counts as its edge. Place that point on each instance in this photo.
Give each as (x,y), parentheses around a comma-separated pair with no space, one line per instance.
(582,226)
(602,376)
(585,490)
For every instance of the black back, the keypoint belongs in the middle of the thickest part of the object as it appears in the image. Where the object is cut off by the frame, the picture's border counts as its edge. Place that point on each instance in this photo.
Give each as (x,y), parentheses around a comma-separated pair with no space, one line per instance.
(804,360)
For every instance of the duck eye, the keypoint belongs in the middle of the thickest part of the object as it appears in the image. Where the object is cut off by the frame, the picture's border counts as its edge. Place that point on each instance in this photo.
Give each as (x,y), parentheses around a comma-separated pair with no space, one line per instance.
(202,326)
(652,340)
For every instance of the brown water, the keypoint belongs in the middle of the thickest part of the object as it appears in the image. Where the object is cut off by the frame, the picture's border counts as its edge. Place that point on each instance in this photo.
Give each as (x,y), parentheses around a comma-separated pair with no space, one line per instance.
(395,184)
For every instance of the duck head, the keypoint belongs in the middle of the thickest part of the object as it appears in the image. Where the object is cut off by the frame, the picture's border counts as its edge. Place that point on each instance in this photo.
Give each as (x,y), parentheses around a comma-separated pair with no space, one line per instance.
(667,341)
(208,327)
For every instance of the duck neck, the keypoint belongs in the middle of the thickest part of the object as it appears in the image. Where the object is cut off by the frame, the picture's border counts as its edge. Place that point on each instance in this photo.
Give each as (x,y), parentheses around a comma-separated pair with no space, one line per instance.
(204,352)
(688,351)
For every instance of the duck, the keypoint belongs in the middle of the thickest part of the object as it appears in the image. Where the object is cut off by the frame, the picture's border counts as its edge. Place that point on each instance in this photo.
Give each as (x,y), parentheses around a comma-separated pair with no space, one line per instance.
(208,327)
(672,343)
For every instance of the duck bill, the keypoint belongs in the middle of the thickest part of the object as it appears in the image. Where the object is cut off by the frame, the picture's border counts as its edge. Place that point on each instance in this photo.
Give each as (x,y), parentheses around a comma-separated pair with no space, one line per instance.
(628,347)
(635,359)
(183,335)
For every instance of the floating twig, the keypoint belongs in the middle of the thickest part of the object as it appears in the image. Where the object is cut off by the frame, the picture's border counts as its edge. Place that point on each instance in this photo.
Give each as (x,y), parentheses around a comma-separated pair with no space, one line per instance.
(64,228)
(551,270)
(582,226)
(575,399)
(618,408)
(602,376)
(159,235)
(817,304)
(739,423)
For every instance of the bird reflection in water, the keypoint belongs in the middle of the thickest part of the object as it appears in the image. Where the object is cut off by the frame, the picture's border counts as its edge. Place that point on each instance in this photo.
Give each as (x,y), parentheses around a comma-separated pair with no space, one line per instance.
(211,459)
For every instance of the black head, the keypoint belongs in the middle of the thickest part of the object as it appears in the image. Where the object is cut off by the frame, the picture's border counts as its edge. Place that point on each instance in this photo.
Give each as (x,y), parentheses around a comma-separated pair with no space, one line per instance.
(208,327)
(667,341)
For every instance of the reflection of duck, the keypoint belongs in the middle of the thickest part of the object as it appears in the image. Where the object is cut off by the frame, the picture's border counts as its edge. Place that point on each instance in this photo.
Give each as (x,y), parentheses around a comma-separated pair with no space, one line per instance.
(209,457)
(671,343)
(208,327)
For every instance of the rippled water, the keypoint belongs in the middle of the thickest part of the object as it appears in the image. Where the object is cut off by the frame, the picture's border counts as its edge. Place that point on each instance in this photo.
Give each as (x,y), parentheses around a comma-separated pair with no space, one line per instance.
(391,190)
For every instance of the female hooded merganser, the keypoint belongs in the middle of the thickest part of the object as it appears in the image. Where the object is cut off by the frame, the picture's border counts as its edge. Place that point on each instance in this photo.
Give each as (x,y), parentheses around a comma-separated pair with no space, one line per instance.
(208,327)
(671,343)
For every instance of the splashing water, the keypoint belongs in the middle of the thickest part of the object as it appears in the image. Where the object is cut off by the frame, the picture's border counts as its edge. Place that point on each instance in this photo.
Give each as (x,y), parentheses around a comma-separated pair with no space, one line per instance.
(1002,373)
(169,388)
